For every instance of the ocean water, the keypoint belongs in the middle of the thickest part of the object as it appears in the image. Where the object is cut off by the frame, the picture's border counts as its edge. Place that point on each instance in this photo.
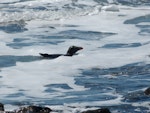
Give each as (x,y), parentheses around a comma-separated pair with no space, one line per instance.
(112,71)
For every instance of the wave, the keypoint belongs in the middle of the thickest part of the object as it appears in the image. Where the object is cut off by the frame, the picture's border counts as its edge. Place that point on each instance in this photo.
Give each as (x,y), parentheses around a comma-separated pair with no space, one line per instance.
(41,10)
(56,9)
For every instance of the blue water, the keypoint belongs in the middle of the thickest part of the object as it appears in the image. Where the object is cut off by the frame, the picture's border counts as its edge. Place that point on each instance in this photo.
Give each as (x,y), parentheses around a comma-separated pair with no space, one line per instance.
(122,85)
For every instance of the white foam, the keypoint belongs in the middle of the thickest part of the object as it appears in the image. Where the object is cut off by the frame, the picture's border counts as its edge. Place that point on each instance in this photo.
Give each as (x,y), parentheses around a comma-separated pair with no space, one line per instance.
(61,69)
(27,75)
(113,8)
(9,107)
(81,106)
(27,12)
(143,104)
(33,76)
(86,2)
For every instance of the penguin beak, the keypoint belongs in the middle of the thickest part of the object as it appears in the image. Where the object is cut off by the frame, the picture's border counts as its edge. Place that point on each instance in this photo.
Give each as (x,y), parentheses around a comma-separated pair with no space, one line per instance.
(80,48)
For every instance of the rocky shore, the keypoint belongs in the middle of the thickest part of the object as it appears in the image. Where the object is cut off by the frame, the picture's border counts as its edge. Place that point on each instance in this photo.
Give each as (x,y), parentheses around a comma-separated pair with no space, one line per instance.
(28,109)
(147,91)
(39,109)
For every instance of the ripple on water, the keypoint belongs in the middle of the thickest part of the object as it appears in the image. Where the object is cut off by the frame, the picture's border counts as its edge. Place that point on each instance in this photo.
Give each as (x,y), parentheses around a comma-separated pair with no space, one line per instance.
(129,82)
(57,38)
(86,35)
(13,27)
(121,45)
(9,60)
(137,20)
(145,29)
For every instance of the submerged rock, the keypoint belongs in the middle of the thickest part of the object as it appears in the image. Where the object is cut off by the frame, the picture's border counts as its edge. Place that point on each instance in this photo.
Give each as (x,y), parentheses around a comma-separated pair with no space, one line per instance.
(1,107)
(104,110)
(34,109)
(38,109)
(29,109)
(147,91)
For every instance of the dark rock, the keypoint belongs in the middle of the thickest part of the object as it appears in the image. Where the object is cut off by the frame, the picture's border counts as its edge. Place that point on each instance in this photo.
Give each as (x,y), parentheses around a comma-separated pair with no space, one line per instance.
(104,110)
(34,109)
(1,107)
(147,91)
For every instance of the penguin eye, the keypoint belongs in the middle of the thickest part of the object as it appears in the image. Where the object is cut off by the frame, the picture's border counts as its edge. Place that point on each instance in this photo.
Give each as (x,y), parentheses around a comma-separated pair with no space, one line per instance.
(71,47)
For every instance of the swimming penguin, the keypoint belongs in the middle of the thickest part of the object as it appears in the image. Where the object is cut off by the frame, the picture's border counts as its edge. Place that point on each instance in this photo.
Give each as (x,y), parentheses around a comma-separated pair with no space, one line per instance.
(71,51)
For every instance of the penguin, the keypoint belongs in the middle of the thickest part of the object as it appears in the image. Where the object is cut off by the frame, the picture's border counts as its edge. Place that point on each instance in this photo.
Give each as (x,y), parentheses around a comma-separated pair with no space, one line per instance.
(71,51)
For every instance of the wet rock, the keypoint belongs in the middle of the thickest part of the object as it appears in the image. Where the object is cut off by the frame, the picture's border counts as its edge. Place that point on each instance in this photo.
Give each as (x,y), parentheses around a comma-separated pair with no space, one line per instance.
(104,110)
(29,109)
(147,91)
(1,107)
(34,109)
